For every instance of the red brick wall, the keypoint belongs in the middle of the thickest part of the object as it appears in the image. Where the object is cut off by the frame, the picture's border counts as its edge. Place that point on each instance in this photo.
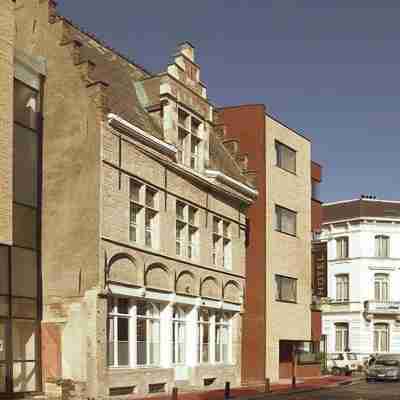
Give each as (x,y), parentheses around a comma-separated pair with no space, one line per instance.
(247,124)
(51,351)
(316,329)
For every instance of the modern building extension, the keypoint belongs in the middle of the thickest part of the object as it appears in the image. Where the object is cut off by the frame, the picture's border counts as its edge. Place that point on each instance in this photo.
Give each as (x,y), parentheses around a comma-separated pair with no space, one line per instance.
(362,311)
(280,318)
(122,219)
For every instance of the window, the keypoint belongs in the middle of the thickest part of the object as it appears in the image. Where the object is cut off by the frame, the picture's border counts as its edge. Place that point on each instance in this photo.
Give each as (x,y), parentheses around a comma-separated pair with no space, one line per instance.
(26,105)
(342,247)
(178,335)
(286,289)
(143,214)
(285,157)
(221,338)
(118,336)
(189,139)
(204,324)
(381,287)
(148,333)
(221,241)
(285,220)
(342,337)
(381,338)
(382,246)
(187,231)
(342,287)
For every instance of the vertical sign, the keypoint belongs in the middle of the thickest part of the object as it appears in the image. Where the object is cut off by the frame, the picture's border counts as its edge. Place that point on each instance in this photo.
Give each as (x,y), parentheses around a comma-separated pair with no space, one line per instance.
(319,269)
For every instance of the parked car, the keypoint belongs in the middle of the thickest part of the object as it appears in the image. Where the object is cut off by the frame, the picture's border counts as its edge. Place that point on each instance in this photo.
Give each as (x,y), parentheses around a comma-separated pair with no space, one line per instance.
(384,367)
(343,363)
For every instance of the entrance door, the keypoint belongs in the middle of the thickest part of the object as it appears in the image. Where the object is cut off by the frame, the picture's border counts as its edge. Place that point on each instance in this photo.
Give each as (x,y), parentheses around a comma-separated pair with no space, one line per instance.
(4,370)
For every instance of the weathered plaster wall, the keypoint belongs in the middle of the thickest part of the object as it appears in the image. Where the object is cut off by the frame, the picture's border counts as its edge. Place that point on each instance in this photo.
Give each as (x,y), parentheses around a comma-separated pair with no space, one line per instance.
(7,32)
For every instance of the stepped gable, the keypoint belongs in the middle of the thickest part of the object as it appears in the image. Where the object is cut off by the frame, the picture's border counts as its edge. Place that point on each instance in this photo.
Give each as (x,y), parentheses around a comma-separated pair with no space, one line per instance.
(134,94)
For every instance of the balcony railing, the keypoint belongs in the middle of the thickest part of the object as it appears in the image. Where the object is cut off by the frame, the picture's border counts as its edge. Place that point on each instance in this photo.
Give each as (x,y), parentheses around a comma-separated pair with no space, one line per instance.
(383,307)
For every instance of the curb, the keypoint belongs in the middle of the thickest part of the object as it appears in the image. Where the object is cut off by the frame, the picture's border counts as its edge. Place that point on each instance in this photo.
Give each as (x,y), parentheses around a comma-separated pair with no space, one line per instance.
(300,390)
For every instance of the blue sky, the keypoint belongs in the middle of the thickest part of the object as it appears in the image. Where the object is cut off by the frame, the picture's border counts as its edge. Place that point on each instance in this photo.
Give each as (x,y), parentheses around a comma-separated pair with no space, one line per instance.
(329,69)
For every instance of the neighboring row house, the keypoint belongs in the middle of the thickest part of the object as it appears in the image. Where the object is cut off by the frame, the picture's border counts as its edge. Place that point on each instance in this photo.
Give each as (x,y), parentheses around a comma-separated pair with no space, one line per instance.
(122,219)
(125,200)
(362,311)
(281,321)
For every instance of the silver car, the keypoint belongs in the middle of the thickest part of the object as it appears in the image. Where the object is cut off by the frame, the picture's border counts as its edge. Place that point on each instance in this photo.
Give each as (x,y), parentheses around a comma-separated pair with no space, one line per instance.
(385,367)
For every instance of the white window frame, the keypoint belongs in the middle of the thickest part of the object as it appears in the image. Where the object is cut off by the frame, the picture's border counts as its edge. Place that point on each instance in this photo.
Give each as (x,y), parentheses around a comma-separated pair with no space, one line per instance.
(381,287)
(381,334)
(143,230)
(342,287)
(190,231)
(179,328)
(221,243)
(280,214)
(187,134)
(341,333)
(342,247)
(382,246)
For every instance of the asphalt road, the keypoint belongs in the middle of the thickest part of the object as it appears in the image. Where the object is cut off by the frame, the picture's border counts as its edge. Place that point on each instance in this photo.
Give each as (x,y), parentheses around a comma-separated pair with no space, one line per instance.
(361,391)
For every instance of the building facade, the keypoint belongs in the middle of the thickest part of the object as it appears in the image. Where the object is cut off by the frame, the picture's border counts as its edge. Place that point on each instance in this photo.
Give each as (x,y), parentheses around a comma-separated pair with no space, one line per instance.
(122,219)
(279,270)
(362,311)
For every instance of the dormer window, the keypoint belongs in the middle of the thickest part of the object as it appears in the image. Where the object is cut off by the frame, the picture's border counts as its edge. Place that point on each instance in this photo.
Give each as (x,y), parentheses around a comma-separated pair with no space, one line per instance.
(189,140)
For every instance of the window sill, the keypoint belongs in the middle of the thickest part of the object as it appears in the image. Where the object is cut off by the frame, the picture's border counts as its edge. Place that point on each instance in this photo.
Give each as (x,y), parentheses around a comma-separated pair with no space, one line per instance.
(286,170)
(286,301)
(286,233)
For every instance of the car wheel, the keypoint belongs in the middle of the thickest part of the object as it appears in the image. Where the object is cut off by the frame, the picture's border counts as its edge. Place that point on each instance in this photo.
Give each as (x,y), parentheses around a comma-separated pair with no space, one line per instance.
(336,371)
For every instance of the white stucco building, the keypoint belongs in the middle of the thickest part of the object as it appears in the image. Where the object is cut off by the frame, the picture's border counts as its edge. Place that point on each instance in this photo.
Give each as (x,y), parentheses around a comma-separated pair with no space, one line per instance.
(362,311)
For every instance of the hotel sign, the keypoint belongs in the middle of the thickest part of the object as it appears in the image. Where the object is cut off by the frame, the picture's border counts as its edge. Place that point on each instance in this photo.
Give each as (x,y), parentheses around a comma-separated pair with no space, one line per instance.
(319,269)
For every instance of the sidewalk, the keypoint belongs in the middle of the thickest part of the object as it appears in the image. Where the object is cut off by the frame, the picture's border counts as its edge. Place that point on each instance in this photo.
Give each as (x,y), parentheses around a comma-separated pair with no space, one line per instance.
(306,384)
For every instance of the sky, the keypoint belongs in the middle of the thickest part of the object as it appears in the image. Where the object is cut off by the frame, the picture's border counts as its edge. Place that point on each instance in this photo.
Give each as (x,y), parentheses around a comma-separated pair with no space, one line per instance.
(329,69)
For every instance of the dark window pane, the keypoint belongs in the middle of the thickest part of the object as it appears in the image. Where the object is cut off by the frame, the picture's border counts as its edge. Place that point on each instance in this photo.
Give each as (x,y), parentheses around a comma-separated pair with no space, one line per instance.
(2,342)
(4,270)
(3,372)
(4,306)
(25,166)
(25,226)
(26,105)
(24,308)
(25,377)
(24,272)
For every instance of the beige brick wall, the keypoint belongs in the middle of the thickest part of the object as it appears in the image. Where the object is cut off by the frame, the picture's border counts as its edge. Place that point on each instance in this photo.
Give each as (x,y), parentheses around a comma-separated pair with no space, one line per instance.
(287,255)
(7,30)
(71,152)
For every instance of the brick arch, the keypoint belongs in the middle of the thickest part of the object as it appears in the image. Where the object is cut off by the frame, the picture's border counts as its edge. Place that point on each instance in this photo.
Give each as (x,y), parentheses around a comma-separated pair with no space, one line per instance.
(186,283)
(210,288)
(158,276)
(232,292)
(122,268)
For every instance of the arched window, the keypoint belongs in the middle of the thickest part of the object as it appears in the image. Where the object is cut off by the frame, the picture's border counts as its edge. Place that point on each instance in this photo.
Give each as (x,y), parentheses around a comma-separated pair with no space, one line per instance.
(148,333)
(222,337)
(381,287)
(381,338)
(178,334)
(342,337)
(204,324)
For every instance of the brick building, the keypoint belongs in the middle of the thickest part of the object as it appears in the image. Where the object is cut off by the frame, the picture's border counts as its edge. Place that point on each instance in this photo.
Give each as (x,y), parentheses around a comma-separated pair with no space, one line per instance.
(122,218)
(280,315)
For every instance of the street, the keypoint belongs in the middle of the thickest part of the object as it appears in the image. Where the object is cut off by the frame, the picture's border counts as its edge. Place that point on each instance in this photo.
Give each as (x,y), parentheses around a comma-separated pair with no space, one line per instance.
(363,391)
